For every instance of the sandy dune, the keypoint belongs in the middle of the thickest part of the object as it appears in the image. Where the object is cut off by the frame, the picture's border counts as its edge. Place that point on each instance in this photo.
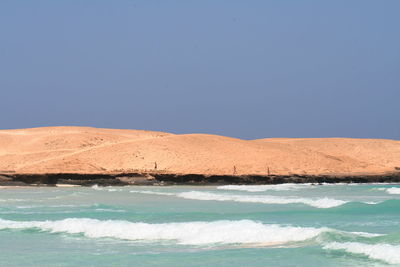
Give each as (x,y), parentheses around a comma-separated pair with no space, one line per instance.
(93,150)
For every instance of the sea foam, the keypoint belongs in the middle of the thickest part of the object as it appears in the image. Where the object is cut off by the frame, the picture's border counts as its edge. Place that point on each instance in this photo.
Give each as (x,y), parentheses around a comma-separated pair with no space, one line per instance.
(393,190)
(264,199)
(384,252)
(107,188)
(245,232)
(317,202)
(390,190)
(267,187)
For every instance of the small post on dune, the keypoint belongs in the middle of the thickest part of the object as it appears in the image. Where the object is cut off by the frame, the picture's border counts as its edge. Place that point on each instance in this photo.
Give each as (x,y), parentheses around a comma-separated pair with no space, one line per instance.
(155,165)
(234,170)
(268,171)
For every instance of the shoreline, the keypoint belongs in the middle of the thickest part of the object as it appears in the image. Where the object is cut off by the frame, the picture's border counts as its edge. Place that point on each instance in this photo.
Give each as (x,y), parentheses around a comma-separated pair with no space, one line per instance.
(165,179)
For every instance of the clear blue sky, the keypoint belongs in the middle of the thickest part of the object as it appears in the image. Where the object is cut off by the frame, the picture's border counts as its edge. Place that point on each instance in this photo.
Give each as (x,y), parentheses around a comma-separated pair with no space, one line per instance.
(247,69)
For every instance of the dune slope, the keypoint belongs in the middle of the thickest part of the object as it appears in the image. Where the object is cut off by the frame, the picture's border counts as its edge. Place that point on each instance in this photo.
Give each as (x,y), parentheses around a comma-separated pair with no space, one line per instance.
(92,150)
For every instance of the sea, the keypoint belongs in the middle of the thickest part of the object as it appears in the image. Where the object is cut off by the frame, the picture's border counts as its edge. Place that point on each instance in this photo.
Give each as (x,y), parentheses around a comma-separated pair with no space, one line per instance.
(230,225)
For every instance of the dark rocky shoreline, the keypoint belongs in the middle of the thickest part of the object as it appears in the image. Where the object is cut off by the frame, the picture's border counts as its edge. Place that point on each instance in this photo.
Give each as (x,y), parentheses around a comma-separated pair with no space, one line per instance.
(123,179)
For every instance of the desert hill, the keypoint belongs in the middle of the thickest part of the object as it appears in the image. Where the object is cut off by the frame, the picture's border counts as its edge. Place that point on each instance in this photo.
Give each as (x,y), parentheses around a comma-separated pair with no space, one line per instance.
(91,150)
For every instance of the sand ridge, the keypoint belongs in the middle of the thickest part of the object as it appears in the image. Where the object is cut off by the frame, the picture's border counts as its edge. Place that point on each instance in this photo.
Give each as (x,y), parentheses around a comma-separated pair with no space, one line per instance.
(94,150)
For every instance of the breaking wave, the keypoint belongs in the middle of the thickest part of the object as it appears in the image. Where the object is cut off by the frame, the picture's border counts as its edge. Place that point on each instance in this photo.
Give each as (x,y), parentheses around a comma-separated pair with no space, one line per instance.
(188,233)
(245,232)
(106,188)
(317,202)
(242,233)
(265,199)
(268,187)
(384,252)
(391,190)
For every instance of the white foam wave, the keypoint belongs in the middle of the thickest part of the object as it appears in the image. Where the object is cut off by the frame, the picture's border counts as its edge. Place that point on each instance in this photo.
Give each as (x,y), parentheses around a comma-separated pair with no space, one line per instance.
(364,234)
(113,190)
(187,233)
(267,187)
(152,192)
(372,202)
(96,187)
(13,200)
(107,188)
(393,190)
(317,202)
(384,252)
(265,199)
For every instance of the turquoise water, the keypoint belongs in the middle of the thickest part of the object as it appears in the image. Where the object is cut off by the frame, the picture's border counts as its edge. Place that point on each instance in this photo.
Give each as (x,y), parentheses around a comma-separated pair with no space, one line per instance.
(271,225)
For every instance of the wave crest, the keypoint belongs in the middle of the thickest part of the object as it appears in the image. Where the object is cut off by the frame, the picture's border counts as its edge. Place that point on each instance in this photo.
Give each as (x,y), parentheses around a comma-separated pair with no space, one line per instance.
(265,199)
(187,233)
(267,187)
(392,190)
(384,252)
